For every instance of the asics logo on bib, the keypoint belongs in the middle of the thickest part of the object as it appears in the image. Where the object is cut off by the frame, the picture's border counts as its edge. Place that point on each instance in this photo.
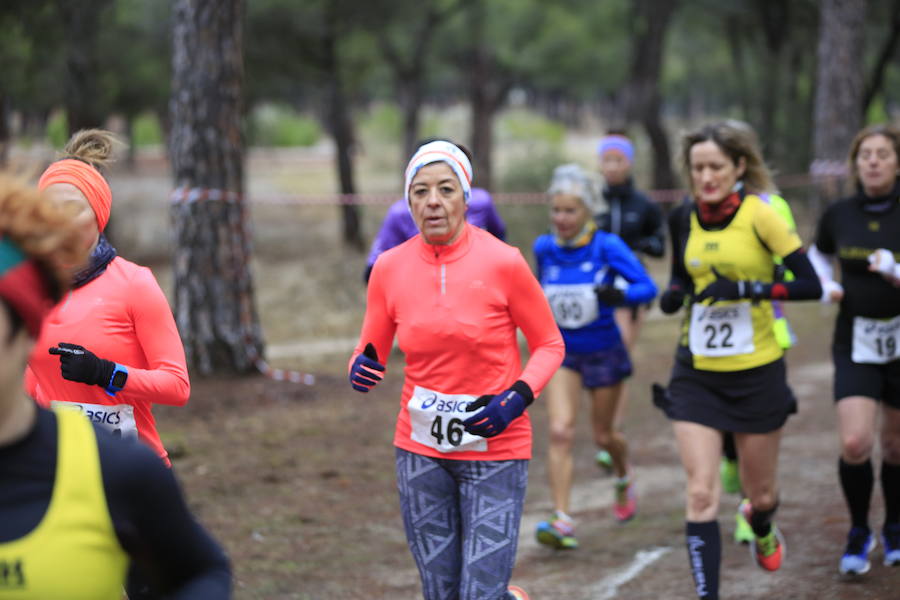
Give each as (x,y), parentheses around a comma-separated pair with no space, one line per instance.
(12,574)
(444,406)
(103,417)
(719,314)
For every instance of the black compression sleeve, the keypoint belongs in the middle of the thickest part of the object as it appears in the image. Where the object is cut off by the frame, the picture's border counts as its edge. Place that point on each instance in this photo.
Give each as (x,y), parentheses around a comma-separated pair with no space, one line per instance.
(653,241)
(679,276)
(805,286)
(155,526)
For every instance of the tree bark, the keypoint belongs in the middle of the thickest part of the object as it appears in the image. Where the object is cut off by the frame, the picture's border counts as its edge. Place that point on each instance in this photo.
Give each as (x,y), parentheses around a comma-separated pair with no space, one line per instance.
(338,119)
(642,98)
(839,83)
(214,305)
(876,79)
(81,23)
(487,93)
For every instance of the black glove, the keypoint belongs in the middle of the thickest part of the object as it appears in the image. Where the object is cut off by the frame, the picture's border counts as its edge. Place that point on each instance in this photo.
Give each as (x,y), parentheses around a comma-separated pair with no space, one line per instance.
(726,289)
(610,295)
(672,299)
(80,364)
(366,370)
(499,410)
(721,289)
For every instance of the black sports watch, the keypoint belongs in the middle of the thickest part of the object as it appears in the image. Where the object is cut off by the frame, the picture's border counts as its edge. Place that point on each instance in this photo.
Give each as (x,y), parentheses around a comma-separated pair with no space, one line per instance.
(117,380)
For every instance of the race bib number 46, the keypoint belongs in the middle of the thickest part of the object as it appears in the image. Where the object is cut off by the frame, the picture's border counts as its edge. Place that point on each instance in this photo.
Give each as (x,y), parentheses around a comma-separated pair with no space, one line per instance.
(437,418)
(721,330)
(573,305)
(118,418)
(875,341)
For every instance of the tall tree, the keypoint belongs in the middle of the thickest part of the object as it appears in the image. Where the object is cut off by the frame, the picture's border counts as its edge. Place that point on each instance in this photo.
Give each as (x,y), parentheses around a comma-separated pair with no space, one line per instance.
(642,98)
(214,304)
(885,55)
(839,81)
(81,27)
(405,47)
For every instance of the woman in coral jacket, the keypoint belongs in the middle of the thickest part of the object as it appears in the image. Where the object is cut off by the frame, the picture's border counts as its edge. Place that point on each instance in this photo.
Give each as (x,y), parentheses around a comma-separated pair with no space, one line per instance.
(455,295)
(111,345)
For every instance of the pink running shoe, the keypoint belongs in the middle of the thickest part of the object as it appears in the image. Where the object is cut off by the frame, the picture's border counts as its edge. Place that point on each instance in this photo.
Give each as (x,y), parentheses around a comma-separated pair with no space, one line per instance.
(517,593)
(625,505)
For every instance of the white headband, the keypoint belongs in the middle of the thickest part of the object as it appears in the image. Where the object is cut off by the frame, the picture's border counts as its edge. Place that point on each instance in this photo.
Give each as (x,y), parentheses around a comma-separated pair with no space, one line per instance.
(440,151)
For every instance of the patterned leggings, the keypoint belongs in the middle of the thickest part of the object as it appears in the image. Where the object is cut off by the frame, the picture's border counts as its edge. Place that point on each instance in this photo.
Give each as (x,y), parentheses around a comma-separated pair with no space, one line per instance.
(462,522)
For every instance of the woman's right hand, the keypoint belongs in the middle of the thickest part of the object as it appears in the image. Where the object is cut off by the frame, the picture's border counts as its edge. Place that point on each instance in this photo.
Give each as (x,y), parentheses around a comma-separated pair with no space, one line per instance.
(832,291)
(366,370)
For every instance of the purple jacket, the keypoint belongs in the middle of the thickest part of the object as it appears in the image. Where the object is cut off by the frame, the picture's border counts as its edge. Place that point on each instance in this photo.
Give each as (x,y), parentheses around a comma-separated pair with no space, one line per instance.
(398,225)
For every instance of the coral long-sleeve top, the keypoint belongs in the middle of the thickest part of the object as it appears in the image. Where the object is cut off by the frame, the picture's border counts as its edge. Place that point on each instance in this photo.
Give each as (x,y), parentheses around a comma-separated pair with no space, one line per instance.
(122,316)
(455,310)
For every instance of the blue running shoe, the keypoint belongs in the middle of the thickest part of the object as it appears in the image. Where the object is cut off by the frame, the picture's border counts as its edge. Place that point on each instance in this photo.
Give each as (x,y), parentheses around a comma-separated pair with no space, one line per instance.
(855,561)
(890,535)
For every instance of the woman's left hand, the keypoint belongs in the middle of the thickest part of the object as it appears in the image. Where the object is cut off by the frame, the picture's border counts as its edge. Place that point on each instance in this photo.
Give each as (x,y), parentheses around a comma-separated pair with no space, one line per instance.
(499,410)
(720,289)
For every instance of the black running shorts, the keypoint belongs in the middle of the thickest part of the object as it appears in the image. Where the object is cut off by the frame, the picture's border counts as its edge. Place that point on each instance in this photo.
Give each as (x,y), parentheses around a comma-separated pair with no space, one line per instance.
(756,400)
(879,382)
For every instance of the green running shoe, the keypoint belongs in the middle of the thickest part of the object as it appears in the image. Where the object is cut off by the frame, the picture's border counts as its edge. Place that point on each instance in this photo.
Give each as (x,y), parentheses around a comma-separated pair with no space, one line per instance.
(604,460)
(743,533)
(731,477)
(557,533)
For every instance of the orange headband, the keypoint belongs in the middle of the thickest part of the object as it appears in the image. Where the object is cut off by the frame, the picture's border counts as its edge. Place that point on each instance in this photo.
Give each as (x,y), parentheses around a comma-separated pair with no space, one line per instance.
(87,179)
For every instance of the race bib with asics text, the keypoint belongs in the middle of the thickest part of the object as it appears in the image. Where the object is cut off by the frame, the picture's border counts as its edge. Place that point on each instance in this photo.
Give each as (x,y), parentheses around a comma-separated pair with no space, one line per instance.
(875,341)
(117,418)
(436,420)
(724,330)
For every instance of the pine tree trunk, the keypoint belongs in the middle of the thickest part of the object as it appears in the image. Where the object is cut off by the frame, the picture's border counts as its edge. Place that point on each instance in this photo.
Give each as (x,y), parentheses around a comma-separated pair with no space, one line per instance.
(81,24)
(839,78)
(214,305)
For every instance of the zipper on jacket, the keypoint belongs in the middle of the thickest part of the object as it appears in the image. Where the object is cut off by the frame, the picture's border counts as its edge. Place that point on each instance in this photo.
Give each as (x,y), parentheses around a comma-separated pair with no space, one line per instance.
(443,280)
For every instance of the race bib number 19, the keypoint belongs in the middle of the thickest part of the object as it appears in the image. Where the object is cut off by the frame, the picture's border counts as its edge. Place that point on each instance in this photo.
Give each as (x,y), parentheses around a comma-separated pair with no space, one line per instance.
(724,330)
(875,341)
(117,418)
(437,418)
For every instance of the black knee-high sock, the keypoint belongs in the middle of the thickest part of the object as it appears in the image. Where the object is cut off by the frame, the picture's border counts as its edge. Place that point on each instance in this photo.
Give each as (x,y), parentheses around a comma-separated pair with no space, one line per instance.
(857,482)
(761,521)
(890,486)
(704,546)
(728,447)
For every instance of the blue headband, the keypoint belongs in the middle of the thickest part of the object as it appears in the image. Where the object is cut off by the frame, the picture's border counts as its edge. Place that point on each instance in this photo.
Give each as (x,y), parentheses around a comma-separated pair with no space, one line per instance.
(616,142)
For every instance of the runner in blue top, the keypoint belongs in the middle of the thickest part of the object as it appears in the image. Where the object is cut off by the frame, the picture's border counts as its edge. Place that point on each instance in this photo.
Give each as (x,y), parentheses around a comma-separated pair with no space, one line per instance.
(577,264)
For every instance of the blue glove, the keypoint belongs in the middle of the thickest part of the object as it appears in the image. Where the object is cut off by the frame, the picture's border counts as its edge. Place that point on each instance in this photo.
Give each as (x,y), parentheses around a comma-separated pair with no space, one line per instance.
(366,370)
(499,410)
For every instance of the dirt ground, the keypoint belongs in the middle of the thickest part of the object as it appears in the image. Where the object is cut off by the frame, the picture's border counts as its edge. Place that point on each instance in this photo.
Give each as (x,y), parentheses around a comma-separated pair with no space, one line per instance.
(298,484)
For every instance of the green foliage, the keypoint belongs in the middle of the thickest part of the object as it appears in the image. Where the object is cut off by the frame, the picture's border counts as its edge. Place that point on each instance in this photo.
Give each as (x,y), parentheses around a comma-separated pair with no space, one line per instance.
(58,129)
(145,130)
(524,126)
(382,123)
(279,125)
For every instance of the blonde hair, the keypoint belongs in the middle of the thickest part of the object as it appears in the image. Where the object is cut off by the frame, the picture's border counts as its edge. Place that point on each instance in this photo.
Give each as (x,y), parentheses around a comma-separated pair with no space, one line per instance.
(737,140)
(889,131)
(96,147)
(42,230)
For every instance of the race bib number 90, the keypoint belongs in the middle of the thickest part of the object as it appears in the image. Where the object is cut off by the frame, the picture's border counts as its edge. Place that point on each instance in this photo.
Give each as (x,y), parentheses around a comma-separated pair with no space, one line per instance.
(437,418)
(117,418)
(875,341)
(573,305)
(721,330)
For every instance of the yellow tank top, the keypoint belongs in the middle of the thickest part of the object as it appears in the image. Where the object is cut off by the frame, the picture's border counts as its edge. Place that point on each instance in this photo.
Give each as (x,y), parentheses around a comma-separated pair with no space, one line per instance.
(73,553)
(743,250)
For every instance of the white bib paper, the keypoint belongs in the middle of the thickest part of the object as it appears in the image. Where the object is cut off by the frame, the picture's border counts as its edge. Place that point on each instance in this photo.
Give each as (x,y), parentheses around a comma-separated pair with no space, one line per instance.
(573,305)
(875,341)
(724,330)
(117,418)
(437,418)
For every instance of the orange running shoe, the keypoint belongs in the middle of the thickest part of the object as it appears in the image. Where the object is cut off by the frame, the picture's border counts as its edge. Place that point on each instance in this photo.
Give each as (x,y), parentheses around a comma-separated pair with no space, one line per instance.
(768,550)
(517,593)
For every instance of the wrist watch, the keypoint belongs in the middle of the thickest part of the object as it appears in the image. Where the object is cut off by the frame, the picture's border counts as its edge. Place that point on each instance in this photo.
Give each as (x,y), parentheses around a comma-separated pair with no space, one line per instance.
(117,380)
